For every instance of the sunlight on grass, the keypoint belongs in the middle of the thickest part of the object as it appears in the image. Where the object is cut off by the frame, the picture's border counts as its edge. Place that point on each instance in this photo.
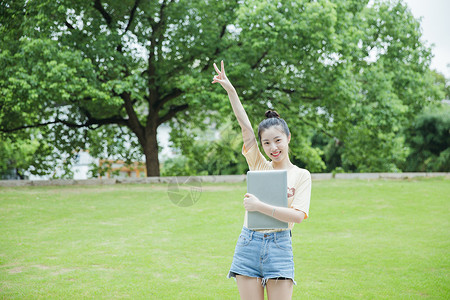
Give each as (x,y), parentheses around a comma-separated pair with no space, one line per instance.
(364,239)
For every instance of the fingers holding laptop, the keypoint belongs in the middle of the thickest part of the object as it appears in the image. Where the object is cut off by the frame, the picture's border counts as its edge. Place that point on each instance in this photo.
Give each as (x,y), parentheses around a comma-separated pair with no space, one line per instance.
(251,202)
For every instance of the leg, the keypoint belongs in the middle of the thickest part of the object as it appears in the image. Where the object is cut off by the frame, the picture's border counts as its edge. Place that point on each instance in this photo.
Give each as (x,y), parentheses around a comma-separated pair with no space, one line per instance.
(279,289)
(250,288)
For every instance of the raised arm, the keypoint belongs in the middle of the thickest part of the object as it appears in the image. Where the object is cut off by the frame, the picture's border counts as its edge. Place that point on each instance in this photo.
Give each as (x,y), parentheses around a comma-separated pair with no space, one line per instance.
(247,131)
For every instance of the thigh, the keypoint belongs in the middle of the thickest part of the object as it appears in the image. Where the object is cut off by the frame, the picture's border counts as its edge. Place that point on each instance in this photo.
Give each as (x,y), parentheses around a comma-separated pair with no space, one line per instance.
(279,289)
(250,287)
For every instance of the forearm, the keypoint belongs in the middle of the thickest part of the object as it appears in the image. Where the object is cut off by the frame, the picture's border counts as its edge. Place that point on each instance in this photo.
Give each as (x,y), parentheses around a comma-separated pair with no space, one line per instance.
(241,116)
(283,214)
(239,111)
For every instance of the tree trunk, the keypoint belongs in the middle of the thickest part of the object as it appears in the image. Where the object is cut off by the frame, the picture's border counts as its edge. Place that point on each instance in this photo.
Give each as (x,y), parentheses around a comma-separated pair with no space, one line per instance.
(151,152)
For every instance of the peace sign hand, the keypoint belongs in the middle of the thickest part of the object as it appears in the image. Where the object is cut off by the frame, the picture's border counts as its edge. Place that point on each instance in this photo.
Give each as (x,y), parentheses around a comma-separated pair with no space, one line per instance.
(222,78)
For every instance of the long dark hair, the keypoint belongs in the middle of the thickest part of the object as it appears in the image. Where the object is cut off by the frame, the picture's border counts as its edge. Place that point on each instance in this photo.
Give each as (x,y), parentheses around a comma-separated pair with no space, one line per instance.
(272,119)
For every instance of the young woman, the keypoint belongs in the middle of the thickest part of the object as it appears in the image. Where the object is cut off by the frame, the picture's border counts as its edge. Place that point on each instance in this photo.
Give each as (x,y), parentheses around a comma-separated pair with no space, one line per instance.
(264,259)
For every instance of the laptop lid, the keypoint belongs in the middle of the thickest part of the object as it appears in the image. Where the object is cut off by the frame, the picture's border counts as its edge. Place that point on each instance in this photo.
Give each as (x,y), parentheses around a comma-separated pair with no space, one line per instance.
(270,187)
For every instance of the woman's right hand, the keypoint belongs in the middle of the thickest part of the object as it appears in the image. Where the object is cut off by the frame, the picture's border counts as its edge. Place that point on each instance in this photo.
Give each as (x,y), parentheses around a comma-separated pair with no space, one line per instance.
(247,131)
(221,78)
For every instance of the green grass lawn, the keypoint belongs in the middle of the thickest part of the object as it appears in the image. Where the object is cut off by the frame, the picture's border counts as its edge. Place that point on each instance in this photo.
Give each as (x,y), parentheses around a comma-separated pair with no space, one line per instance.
(364,240)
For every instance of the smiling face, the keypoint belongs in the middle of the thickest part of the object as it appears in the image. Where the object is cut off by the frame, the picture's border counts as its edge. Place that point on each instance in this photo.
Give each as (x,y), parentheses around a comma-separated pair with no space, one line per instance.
(275,143)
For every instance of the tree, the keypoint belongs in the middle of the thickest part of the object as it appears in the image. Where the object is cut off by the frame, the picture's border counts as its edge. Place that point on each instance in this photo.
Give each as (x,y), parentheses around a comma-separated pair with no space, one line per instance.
(429,140)
(354,72)
(79,70)
(78,66)
(21,154)
(208,154)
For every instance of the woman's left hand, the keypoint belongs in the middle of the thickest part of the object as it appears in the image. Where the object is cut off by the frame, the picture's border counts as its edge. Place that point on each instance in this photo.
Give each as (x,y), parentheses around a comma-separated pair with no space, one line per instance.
(251,202)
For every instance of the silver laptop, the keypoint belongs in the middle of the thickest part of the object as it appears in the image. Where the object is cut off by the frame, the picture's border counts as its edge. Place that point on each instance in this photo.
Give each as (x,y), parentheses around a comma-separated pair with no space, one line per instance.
(270,187)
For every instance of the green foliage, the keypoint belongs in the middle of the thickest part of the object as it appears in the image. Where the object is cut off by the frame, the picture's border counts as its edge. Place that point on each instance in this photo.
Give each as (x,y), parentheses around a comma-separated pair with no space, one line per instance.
(16,156)
(302,152)
(331,149)
(25,153)
(441,81)
(358,73)
(78,66)
(429,139)
(103,76)
(206,154)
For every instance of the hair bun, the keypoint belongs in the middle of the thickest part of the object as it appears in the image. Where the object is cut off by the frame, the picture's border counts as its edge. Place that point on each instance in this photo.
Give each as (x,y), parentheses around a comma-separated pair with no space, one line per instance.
(272,114)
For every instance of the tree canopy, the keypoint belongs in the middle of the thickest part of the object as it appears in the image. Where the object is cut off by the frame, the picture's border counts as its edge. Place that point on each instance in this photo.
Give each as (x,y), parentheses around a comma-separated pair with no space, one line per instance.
(104,75)
(429,140)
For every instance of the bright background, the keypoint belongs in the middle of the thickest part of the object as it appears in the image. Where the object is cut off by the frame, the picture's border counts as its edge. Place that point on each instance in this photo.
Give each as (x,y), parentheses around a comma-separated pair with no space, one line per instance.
(435,24)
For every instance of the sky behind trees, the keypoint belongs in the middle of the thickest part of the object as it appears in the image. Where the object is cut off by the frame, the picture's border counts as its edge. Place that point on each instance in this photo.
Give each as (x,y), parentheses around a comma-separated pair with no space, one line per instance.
(435,24)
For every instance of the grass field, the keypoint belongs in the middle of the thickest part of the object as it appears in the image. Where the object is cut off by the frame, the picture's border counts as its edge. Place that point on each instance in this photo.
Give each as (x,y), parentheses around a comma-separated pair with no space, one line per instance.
(364,240)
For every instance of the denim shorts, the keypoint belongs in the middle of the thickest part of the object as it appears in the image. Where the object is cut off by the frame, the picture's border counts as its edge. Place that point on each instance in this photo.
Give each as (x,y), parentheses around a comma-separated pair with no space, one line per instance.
(263,255)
